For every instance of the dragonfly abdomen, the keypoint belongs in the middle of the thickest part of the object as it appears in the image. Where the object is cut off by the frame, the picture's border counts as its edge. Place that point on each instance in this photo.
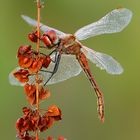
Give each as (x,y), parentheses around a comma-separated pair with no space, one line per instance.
(100,101)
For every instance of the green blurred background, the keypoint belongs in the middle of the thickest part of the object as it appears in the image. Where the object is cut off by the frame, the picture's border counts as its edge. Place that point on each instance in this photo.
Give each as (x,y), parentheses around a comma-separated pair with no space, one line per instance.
(75,96)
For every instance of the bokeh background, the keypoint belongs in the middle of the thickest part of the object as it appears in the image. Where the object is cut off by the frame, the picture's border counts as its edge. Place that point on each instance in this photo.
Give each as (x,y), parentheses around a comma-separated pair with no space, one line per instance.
(75,96)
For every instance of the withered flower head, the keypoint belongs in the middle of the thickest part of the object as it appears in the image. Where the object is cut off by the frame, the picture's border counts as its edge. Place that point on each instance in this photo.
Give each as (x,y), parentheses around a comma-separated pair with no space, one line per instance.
(45,122)
(33,120)
(28,122)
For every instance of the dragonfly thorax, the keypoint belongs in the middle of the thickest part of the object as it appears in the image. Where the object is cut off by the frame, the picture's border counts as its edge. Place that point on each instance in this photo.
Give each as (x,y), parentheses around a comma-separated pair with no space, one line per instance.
(70,44)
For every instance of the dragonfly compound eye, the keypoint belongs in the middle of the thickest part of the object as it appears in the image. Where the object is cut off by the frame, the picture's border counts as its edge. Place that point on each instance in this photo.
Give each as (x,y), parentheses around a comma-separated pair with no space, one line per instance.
(52,36)
(47,42)
(50,39)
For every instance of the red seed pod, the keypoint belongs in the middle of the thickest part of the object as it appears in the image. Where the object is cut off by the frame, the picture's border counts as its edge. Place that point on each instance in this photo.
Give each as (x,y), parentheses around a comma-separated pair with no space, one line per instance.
(25,61)
(25,136)
(22,75)
(36,65)
(30,91)
(52,36)
(26,111)
(61,138)
(33,37)
(54,112)
(45,122)
(21,125)
(24,50)
(49,138)
(47,61)
(43,93)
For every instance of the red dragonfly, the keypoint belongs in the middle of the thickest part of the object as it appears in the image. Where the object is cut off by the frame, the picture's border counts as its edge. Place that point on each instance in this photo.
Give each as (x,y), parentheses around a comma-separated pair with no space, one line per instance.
(73,55)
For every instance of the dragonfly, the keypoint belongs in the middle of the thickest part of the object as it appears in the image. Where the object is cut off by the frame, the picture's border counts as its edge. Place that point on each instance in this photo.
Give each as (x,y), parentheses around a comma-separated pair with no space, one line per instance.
(74,56)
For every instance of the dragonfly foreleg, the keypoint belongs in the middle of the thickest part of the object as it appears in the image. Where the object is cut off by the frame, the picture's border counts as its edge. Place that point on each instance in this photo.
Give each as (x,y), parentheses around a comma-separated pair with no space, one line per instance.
(46,71)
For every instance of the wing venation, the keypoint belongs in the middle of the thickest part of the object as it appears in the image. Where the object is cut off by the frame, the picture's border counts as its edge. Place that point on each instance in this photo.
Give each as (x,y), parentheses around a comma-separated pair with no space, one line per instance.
(103,61)
(43,27)
(113,22)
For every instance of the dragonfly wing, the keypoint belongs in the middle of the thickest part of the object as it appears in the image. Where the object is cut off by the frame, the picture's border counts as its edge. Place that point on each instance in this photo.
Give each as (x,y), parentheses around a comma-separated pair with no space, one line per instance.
(68,67)
(43,27)
(103,61)
(113,22)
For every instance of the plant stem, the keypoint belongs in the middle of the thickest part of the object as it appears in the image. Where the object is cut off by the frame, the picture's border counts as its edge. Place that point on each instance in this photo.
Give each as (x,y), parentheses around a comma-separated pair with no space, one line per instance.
(37,49)
(38,25)
(37,135)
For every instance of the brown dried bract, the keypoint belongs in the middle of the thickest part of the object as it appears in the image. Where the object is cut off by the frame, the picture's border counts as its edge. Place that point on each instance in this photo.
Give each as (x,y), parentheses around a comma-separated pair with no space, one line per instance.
(61,138)
(43,93)
(25,136)
(25,50)
(25,61)
(47,61)
(36,64)
(45,122)
(33,37)
(30,91)
(55,112)
(28,122)
(22,75)
(51,138)
(33,120)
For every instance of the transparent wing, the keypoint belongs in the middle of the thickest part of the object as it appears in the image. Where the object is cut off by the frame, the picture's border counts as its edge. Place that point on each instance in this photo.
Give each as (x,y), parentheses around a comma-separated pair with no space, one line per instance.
(113,22)
(68,67)
(43,27)
(103,61)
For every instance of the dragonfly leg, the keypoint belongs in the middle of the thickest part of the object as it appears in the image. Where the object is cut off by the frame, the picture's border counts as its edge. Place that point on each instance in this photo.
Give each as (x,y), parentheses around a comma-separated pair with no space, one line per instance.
(57,61)
(46,71)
